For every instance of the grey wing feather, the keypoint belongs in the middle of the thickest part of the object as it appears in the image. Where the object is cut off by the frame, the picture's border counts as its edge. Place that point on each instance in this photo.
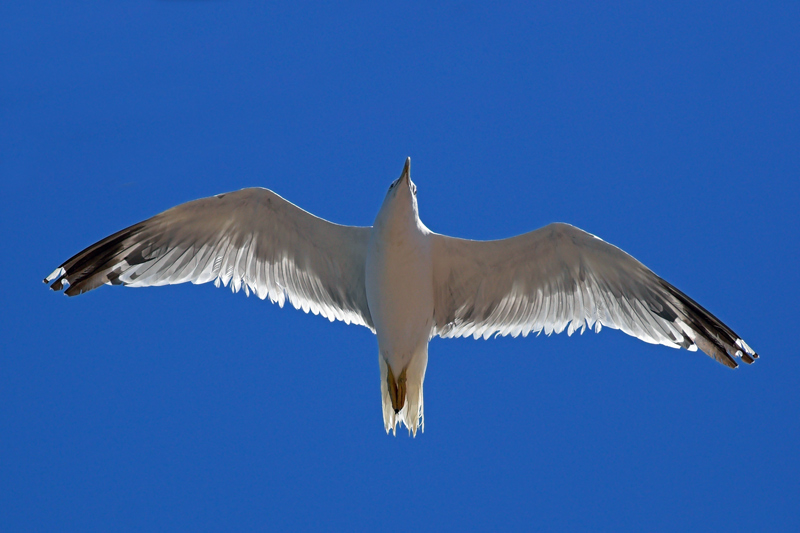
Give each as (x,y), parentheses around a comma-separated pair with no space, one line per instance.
(560,277)
(251,239)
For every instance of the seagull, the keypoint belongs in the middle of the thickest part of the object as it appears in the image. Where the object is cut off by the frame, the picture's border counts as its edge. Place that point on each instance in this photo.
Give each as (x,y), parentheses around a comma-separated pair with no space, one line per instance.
(404,282)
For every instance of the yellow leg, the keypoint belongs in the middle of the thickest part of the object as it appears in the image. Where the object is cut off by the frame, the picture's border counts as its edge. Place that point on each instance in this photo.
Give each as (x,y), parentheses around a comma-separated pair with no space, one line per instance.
(397,389)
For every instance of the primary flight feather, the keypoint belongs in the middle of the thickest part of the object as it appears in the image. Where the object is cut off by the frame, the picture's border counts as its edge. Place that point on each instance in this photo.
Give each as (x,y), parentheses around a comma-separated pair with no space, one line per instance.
(401,280)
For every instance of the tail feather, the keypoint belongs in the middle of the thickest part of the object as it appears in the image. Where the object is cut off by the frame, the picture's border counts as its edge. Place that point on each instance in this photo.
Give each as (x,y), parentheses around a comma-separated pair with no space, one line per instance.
(412,415)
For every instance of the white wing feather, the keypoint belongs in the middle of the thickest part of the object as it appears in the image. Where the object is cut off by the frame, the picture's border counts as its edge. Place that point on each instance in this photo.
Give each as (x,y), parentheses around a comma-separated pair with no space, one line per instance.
(251,239)
(560,277)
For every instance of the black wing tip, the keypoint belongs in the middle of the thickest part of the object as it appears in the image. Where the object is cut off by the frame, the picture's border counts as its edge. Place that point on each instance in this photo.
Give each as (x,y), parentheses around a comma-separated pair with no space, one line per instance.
(748,358)
(58,285)
(747,355)
(58,280)
(728,361)
(718,340)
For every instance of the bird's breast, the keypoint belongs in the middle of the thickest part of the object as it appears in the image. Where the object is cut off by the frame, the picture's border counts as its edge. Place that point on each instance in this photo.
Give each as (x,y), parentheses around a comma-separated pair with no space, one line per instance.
(399,280)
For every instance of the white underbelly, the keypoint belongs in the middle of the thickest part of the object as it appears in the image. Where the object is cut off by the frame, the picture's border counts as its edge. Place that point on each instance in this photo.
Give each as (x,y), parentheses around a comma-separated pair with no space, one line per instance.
(400,295)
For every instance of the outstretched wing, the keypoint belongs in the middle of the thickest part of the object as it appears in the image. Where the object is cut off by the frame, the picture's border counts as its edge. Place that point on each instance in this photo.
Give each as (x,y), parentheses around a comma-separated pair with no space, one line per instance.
(252,239)
(560,277)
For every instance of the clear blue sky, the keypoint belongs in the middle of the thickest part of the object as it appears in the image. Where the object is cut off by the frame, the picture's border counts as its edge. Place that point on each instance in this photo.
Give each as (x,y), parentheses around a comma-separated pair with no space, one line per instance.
(671,129)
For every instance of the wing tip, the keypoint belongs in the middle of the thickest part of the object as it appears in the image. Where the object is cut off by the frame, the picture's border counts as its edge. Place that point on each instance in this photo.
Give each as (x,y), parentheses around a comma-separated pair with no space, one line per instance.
(747,358)
(747,354)
(57,277)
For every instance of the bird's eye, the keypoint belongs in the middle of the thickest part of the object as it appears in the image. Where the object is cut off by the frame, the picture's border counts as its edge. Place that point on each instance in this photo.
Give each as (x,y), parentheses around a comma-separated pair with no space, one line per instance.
(414,190)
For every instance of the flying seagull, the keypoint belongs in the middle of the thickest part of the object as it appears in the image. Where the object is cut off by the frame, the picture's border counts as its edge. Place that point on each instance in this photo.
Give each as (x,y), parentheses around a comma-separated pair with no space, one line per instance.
(404,282)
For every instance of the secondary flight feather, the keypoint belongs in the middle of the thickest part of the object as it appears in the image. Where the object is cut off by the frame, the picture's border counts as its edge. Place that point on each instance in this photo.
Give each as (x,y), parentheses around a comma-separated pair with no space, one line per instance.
(401,280)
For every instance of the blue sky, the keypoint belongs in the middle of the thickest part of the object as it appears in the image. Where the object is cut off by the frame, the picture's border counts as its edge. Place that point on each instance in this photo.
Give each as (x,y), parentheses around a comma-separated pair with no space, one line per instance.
(670,129)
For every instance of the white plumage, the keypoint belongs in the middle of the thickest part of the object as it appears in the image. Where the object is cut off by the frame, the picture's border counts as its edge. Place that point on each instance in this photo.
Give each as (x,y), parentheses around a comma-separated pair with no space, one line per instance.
(402,281)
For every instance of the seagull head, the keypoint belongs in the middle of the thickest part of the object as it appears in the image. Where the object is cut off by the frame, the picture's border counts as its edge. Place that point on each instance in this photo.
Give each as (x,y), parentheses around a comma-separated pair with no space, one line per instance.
(401,198)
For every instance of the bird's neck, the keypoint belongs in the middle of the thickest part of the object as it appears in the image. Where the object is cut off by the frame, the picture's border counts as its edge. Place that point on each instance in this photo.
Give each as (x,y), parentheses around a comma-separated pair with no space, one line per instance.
(399,223)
